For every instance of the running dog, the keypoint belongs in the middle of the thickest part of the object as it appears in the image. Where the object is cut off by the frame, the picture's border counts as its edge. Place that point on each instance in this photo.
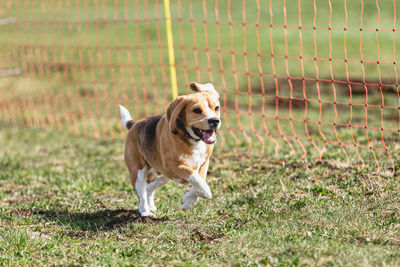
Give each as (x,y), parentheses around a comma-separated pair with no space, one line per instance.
(175,146)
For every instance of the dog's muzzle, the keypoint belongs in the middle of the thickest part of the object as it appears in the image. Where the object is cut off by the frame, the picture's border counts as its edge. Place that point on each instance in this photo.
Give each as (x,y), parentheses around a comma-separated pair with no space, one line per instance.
(214,123)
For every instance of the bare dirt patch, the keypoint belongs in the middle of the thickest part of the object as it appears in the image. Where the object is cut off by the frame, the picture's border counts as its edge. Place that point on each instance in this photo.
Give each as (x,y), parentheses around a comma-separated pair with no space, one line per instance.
(375,241)
(205,235)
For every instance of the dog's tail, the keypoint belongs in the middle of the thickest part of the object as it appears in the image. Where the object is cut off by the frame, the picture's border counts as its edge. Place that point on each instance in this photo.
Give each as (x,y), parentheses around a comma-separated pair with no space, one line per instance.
(126,117)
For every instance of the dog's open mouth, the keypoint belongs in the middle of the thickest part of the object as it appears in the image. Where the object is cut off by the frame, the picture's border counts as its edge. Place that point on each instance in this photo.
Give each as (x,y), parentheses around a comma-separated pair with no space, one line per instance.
(208,136)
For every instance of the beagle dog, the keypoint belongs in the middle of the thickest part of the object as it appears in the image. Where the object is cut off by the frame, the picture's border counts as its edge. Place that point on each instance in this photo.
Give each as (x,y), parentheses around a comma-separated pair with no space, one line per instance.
(175,146)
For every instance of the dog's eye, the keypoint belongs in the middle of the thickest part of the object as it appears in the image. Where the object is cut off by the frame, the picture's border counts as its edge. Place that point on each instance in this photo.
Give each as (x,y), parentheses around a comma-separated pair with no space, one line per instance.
(217,108)
(197,110)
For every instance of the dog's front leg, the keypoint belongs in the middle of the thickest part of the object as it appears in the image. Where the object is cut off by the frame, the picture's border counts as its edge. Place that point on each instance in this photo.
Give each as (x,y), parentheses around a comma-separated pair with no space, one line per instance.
(189,199)
(199,185)
(198,189)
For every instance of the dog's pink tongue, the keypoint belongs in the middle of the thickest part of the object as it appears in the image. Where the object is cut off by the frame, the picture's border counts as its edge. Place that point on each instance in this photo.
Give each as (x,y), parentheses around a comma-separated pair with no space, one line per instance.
(209,136)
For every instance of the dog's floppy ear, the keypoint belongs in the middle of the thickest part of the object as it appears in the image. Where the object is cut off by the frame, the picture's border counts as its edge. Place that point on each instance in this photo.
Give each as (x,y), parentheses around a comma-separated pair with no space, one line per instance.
(173,111)
(201,88)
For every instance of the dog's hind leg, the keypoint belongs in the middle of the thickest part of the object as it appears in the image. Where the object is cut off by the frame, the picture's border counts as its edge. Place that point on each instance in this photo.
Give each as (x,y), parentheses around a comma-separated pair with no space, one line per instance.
(151,188)
(141,191)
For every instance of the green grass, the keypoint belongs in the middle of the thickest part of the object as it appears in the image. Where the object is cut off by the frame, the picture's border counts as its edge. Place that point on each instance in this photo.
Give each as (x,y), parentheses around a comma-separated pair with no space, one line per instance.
(66,200)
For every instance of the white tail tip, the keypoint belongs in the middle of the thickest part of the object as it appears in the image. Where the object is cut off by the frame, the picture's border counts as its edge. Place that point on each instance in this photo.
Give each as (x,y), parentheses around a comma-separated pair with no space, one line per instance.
(125,116)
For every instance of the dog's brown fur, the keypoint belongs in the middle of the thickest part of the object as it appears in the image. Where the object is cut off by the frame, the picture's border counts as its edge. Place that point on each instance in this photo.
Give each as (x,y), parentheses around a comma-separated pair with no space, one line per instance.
(159,144)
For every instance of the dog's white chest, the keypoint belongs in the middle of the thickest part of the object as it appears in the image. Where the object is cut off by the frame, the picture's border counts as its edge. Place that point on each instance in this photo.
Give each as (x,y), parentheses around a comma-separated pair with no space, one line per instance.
(198,156)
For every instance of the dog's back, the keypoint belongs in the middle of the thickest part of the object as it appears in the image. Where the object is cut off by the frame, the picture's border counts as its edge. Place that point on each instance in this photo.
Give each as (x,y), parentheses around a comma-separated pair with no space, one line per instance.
(147,132)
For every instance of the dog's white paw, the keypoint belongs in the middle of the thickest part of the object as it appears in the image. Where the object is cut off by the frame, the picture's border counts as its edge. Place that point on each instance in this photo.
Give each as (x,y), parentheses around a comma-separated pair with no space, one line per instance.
(200,186)
(208,193)
(146,214)
(204,191)
(188,200)
(152,207)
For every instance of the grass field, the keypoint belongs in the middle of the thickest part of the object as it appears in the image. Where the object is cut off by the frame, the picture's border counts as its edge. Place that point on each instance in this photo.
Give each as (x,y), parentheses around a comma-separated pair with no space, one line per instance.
(65,196)
(67,200)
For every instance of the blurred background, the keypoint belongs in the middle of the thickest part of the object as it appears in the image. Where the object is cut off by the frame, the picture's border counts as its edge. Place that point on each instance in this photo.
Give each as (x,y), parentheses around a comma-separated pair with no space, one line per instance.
(295,77)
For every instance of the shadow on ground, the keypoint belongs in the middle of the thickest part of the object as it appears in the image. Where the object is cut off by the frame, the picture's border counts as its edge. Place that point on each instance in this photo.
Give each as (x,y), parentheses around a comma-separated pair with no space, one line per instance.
(101,220)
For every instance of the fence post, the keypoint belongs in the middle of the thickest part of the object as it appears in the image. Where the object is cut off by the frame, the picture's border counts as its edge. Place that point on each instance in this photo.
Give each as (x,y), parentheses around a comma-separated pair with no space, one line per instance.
(171,55)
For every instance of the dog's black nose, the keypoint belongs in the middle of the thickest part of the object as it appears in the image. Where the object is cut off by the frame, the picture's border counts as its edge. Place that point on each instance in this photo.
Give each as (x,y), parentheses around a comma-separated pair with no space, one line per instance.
(214,122)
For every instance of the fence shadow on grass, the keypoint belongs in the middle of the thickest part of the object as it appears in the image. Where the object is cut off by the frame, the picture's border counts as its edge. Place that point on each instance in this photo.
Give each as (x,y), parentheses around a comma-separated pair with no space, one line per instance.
(101,220)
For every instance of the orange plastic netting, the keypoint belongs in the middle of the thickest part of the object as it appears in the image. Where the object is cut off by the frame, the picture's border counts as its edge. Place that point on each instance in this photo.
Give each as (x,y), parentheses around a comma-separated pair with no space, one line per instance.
(302,76)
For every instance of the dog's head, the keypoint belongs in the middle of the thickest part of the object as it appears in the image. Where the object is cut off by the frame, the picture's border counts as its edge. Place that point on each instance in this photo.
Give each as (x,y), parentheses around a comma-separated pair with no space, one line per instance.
(198,113)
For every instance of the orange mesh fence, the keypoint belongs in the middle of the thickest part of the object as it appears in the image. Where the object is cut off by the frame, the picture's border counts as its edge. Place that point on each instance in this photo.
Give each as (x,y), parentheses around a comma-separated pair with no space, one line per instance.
(296,77)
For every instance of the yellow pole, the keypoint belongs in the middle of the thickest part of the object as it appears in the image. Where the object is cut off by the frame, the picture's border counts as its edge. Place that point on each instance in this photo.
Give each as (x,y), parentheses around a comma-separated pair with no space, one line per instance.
(171,55)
